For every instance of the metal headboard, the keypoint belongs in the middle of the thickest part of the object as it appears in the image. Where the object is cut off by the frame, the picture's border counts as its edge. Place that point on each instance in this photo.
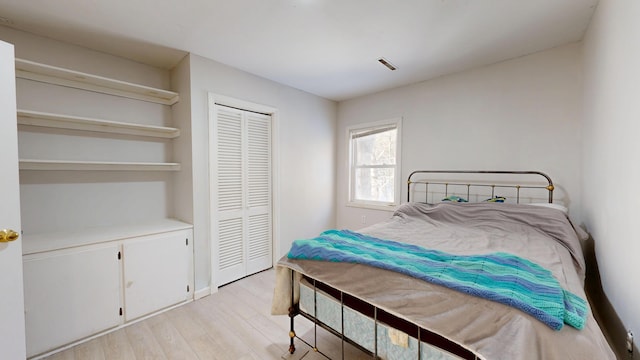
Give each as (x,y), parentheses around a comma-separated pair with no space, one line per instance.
(549,187)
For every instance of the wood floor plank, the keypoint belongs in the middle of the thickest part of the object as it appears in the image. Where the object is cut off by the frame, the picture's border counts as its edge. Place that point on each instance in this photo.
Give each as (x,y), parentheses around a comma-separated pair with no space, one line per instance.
(229,312)
(91,349)
(258,345)
(170,339)
(244,324)
(250,293)
(224,341)
(68,354)
(116,345)
(143,342)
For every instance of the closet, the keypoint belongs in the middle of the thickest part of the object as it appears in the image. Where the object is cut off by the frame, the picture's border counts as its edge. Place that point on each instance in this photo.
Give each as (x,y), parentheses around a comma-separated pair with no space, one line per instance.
(101,246)
(242,192)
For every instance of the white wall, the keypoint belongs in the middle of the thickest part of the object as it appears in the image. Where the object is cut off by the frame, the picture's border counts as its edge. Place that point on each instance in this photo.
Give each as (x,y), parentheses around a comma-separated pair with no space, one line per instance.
(611,151)
(306,158)
(521,114)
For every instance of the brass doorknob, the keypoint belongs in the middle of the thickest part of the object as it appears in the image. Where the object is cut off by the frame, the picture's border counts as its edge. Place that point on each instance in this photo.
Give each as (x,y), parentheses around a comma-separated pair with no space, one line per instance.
(7,235)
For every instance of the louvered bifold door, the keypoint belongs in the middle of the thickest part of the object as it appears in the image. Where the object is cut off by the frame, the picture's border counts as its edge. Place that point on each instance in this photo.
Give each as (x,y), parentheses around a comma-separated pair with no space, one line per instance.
(228,199)
(242,215)
(258,172)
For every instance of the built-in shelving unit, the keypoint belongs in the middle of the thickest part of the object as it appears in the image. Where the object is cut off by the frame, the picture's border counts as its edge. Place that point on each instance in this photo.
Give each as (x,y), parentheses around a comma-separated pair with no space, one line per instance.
(26,69)
(42,119)
(74,266)
(59,76)
(56,165)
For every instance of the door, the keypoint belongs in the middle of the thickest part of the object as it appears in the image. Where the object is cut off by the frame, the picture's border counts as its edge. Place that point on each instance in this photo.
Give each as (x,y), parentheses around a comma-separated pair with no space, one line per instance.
(156,272)
(70,294)
(242,199)
(12,338)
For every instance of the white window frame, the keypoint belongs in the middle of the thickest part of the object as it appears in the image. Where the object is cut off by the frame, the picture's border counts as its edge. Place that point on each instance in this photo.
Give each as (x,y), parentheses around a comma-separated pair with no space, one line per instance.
(378,205)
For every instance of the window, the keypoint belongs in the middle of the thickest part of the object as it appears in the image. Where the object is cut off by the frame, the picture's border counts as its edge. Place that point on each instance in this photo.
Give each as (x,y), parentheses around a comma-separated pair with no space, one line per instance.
(374,165)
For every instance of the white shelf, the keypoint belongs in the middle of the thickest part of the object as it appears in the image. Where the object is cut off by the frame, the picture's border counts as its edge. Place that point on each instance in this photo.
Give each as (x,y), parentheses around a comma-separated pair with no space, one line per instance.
(37,243)
(26,69)
(35,118)
(53,165)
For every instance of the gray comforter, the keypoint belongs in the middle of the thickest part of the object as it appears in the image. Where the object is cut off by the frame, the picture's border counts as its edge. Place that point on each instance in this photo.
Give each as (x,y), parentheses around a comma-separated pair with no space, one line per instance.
(490,330)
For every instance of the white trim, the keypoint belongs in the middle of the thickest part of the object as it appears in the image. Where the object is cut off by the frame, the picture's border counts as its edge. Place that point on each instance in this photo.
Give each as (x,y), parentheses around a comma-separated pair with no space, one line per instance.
(204,292)
(275,184)
(213,259)
(240,104)
(397,123)
(275,188)
(390,208)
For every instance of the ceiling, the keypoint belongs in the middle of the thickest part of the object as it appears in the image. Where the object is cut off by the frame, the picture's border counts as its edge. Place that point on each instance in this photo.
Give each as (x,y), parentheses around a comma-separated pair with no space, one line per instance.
(325,47)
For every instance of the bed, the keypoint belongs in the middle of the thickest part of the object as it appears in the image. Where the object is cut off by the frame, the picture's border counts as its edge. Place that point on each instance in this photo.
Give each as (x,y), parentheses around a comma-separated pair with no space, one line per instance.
(394,315)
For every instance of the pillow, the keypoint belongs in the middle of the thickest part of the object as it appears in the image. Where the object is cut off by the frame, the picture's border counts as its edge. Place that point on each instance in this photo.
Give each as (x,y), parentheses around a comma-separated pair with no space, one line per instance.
(455,199)
(552,206)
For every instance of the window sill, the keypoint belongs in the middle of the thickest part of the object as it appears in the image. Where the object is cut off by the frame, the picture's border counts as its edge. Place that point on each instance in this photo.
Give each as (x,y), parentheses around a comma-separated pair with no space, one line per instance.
(389,208)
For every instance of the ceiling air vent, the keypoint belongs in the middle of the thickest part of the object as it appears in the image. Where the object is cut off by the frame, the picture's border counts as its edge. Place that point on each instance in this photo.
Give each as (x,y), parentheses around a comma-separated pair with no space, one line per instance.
(384,62)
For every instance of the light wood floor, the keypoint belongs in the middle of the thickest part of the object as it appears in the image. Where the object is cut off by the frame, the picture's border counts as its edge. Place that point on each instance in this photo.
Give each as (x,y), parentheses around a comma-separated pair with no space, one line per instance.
(233,324)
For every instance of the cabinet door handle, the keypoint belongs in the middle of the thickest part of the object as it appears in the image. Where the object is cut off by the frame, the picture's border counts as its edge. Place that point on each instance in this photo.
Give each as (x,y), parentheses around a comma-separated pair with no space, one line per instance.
(7,235)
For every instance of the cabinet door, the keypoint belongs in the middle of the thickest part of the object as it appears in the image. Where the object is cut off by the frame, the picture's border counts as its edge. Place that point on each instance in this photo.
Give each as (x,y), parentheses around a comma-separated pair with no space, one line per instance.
(69,295)
(156,272)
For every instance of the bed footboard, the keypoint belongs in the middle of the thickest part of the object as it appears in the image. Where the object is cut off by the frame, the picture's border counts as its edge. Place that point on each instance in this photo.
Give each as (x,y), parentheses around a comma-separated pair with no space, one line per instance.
(367,327)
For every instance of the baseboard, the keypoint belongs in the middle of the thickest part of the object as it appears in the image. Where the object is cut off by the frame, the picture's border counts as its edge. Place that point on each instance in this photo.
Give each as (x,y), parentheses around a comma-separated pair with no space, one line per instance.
(199,294)
(603,311)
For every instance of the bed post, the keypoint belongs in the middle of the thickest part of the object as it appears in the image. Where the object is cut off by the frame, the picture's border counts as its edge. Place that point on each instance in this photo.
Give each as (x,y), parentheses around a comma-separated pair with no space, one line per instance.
(292,314)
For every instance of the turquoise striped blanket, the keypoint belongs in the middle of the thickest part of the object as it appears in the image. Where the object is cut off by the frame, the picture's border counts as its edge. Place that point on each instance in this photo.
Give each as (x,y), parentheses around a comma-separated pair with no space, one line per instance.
(501,277)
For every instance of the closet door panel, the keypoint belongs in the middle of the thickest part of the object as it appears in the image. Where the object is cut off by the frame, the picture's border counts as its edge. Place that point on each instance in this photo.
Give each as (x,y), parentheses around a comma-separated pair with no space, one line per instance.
(258,174)
(156,272)
(69,295)
(229,161)
(229,197)
(258,162)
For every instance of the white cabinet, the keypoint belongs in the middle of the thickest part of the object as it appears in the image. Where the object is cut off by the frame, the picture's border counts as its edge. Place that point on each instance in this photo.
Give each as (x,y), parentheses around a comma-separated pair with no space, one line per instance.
(70,294)
(80,291)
